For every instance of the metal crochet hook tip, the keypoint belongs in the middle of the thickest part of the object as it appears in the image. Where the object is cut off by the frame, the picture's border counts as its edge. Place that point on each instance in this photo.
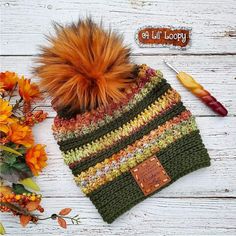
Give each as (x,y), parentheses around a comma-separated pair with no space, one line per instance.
(172,67)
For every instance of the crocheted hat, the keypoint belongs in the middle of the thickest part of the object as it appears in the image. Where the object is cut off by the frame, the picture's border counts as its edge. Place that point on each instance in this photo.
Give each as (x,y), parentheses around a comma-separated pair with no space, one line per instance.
(127,146)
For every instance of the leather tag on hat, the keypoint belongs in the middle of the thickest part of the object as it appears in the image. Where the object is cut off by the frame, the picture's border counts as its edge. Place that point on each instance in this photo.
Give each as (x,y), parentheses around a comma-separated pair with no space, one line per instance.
(150,175)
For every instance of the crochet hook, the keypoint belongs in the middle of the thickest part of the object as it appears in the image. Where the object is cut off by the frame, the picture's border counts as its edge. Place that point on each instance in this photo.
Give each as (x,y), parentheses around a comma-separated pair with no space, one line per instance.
(198,90)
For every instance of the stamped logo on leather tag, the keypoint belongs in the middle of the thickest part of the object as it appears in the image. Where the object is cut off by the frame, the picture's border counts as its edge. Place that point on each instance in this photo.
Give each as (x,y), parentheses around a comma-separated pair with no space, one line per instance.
(150,175)
(155,36)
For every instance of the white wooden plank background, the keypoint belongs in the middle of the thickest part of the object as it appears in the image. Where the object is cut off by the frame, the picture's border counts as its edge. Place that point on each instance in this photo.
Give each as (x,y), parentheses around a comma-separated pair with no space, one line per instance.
(213,22)
(202,203)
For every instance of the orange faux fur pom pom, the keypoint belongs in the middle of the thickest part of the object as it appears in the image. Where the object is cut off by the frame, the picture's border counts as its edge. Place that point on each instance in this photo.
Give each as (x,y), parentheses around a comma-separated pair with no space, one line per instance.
(84,66)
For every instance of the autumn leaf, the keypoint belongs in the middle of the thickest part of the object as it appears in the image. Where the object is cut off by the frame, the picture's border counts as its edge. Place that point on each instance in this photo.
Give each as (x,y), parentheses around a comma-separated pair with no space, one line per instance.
(65,211)
(62,222)
(24,220)
(31,206)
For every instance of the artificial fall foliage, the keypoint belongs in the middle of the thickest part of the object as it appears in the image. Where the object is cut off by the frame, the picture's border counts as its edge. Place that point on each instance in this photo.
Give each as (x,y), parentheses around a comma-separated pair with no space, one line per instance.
(21,159)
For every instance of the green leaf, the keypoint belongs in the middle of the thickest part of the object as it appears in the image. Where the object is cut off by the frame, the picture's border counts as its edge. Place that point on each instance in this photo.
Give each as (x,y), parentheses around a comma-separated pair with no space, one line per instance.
(11,159)
(9,174)
(4,168)
(8,149)
(22,149)
(15,172)
(2,230)
(21,167)
(19,189)
(7,154)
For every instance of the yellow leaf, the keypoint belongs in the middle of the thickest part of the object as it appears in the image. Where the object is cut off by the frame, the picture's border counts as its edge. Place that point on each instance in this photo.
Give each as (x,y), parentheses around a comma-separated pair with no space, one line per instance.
(8,149)
(29,183)
(2,230)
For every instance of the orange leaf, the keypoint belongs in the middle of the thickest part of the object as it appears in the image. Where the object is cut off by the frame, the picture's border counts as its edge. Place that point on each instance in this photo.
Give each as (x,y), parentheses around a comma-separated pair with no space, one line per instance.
(31,206)
(24,220)
(62,222)
(65,211)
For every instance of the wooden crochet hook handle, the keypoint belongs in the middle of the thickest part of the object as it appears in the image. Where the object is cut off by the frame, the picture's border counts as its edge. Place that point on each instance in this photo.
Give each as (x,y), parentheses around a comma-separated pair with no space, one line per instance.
(198,90)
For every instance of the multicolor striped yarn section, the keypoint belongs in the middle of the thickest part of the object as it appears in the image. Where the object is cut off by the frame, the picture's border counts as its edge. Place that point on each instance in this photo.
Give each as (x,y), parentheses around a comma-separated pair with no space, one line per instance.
(103,145)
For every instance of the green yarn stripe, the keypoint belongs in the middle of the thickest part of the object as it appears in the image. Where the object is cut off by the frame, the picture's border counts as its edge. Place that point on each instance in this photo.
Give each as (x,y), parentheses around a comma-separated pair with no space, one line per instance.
(120,110)
(152,96)
(180,145)
(159,120)
(123,192)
